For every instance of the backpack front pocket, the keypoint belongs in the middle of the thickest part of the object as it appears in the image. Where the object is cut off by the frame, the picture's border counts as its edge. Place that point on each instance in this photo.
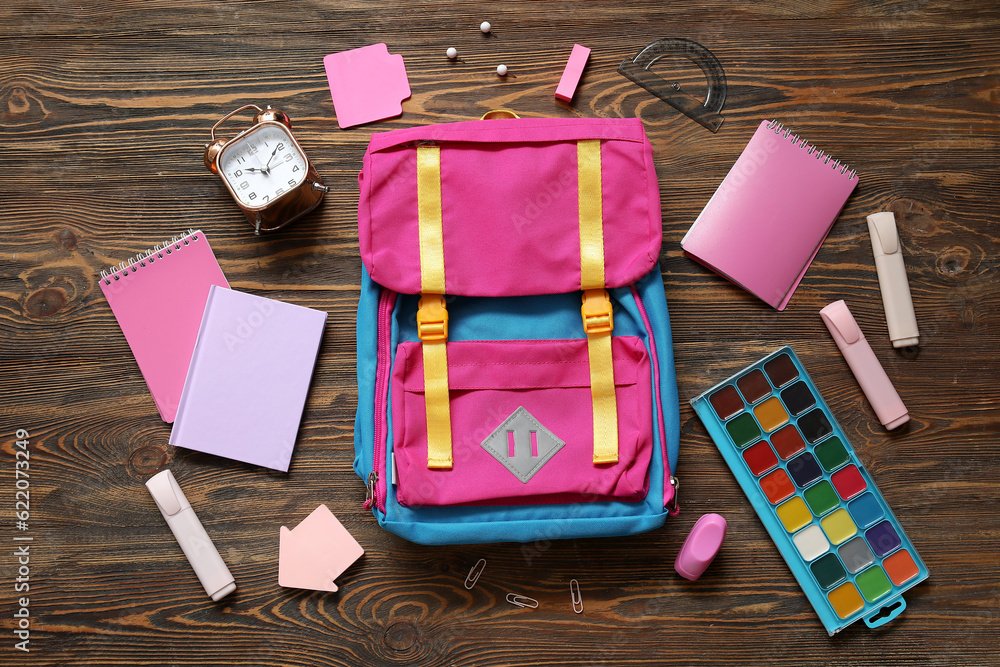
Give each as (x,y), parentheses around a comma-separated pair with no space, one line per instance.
(522,424)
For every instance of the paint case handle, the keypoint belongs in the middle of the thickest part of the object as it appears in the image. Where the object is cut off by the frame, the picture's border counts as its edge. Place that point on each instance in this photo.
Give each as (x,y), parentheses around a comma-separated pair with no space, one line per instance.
(886,613)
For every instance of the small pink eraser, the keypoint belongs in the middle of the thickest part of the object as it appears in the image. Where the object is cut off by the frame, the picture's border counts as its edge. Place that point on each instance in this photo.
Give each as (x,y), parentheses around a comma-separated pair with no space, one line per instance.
(701,546)
(571,75)
(886,403)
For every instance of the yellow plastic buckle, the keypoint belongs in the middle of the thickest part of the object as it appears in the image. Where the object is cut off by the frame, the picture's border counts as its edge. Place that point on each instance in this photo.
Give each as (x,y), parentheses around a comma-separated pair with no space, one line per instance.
(596,310)
(432,318)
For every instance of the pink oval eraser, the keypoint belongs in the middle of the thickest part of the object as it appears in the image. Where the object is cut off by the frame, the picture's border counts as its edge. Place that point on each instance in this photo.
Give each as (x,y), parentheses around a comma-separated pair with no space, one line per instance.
(700,547)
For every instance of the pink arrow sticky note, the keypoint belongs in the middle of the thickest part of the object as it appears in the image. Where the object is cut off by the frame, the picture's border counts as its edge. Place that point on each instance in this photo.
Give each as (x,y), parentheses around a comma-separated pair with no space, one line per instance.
(316,552)
(367,84)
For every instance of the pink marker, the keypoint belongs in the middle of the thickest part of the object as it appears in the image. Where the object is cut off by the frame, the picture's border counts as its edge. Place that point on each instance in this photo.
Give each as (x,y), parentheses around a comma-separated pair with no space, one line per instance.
(571,75)
(864,364)
(701,546)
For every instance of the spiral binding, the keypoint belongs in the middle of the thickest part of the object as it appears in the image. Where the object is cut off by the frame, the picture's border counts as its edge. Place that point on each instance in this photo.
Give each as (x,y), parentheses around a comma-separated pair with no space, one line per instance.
(122,269)
(811,150)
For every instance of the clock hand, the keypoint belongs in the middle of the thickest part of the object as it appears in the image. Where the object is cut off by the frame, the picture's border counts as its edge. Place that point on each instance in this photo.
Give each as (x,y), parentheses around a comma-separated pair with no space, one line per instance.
(268,165)
(264,170)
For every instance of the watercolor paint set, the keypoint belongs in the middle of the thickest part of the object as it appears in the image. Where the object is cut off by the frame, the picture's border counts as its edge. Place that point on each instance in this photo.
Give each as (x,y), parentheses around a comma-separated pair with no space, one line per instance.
(828,519)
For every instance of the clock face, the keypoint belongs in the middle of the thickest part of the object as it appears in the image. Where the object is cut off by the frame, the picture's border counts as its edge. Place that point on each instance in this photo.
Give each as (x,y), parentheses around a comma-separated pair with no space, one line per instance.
(262,165)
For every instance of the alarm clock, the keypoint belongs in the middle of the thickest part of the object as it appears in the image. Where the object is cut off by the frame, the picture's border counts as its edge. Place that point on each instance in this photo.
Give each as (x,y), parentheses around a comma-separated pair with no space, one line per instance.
(265,170)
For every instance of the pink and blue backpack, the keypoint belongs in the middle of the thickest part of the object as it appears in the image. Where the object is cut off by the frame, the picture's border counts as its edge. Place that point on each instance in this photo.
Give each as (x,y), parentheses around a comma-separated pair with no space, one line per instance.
(515,367)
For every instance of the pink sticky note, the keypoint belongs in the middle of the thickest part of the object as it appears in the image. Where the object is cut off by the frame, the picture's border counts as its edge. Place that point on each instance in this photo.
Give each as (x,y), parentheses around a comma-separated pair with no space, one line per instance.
(316,552)
(366,84)
(571,75)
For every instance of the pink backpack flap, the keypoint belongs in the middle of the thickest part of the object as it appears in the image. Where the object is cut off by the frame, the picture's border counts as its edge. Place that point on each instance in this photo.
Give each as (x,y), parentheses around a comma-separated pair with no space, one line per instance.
(510,205)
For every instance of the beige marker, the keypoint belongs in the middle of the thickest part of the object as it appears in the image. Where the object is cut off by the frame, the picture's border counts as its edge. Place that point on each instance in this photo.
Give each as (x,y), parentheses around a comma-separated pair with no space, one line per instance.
(191,535)
(896,299)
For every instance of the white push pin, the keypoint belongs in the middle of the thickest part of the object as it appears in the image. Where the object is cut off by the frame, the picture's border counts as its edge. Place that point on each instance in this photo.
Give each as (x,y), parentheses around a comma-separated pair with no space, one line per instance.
(485,27)
(502,70)
(452,52)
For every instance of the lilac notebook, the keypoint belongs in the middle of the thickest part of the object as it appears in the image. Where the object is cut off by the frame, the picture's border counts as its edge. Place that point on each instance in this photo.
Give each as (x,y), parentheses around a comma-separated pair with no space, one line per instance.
(158,299)
(765,223)
(249,376)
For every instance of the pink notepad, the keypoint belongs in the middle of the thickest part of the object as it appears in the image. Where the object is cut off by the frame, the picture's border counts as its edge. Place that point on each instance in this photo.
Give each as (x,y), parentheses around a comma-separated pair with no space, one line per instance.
(249,377)
(317,551)
(366,84)
(158,299)
(766,222)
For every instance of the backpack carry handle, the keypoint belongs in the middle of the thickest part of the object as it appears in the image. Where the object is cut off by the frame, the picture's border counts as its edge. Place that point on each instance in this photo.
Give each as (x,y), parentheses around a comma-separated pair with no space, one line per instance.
(494,114)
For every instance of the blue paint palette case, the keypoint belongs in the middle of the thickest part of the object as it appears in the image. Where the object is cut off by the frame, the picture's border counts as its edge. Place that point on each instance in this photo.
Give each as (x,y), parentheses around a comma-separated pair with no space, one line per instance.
(817,501)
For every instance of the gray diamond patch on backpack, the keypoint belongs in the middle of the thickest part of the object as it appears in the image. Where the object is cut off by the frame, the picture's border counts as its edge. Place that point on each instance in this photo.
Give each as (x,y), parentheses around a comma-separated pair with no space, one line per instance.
(522,444)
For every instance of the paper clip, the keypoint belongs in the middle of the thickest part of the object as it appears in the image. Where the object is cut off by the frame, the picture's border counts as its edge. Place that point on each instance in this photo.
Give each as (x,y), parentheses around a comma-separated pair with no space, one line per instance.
(574,593)
(522,601)
(474,573)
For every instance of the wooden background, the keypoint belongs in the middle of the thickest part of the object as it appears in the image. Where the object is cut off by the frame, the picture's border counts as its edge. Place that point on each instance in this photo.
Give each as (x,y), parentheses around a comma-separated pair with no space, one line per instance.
(104,109)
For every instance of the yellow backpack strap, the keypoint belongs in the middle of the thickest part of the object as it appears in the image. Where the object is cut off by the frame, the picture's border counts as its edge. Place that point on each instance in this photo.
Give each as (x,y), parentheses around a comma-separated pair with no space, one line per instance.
(432,314)
(597,315)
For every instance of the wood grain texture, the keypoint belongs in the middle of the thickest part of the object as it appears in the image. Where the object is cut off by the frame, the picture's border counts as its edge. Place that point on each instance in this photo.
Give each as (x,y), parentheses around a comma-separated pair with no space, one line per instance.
(104,110)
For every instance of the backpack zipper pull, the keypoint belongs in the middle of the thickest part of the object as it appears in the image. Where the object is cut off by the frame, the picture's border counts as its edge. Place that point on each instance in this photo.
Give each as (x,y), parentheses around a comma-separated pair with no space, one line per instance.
(370,493)
(674,506)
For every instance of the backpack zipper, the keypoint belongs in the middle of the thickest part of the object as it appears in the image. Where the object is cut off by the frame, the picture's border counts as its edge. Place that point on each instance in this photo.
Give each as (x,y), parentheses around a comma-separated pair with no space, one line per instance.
(375,492)
(670,483)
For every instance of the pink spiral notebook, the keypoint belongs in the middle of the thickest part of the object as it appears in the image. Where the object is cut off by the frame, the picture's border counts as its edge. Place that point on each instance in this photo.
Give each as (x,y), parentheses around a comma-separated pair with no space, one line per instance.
(767,220)
(158,298)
